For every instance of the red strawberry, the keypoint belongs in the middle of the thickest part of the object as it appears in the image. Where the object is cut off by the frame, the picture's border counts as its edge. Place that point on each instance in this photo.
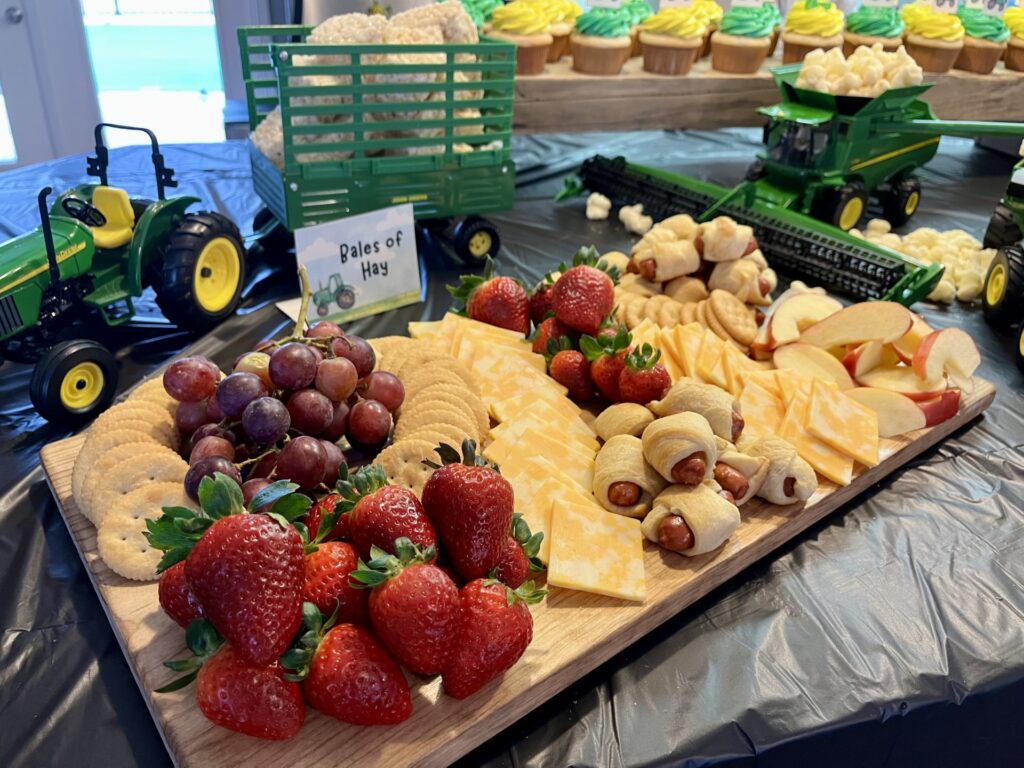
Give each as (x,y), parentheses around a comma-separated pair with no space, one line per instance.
(176,598)
(499,301)
(348,675)
(414,606)
(254,700)
(327,582)
(583,297)
(550,329)
(470,505)
(540,301)
(607,358)
(643,379)
(325,508)
(379,513)
(571,369)
(518,555)
(495,629)
(247,573)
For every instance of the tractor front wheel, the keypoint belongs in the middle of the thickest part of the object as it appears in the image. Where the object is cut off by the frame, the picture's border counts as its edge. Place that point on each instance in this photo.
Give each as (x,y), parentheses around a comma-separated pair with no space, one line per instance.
(1002,229)
(901,200)
(73,382)
(203,271)
(1003,297)
(346,298)
(475,238)
(843,206)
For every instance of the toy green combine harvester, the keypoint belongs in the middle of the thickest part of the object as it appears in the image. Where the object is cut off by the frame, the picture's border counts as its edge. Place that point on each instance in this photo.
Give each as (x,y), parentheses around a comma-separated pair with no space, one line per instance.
(824,157)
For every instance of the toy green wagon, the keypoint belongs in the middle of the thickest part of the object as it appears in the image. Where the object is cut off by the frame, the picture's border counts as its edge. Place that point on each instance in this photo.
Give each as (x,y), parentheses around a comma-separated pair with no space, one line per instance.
(369,126)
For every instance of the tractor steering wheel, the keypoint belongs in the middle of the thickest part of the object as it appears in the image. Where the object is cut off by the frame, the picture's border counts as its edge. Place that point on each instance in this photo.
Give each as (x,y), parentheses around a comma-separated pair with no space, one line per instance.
(87,213)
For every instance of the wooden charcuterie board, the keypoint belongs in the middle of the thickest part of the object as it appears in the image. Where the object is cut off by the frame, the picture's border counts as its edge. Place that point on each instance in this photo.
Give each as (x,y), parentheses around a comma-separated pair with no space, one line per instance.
(574,632)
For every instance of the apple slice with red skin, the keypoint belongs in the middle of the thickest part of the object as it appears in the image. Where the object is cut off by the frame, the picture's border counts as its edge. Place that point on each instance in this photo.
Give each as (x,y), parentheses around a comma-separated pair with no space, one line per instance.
(863,358)
(949,351)
(902,379)
(814,362)
(907,344)
(897,414)
(883,321)
(761,346)
(940,408)
(798,313)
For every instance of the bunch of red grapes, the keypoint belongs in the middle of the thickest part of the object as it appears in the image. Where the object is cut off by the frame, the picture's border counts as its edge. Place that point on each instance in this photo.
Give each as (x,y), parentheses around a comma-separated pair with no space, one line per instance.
(282,411)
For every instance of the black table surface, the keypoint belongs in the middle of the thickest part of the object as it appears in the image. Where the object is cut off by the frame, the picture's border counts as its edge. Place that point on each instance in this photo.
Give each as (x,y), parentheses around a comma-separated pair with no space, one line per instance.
(892,633)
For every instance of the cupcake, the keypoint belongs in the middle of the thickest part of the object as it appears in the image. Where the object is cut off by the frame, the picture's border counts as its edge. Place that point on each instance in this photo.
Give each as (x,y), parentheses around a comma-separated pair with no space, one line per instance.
(934,39)
(637,11)
(525,25)
(985,39)
(743,39)
(872,24)
(773,9)
(480,10)
(601,45)
(562,24)
(711,14)
(811,24)
(671,40)
(1014,20)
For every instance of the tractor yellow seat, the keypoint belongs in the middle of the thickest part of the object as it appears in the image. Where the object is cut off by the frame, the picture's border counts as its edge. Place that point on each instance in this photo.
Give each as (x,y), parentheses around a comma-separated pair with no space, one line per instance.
(113,203)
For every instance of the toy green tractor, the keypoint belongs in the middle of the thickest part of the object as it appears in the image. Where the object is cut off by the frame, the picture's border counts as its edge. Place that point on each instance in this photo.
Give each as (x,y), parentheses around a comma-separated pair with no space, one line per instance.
(95,250)
(335,292)
(827,155)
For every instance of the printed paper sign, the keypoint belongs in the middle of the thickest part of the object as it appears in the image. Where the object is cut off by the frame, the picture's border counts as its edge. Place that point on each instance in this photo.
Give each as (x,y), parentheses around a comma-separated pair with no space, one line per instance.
(746,4)
(989,7)
(943,6)
(882,3)
(613,4)
(362,265)
(675,3)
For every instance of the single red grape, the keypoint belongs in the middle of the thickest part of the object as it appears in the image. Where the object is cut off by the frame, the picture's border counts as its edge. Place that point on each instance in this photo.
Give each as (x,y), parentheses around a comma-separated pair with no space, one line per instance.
(251,487)
(311,411)
(335,458)
(339,423)
(384,387)
(337,378)
(206,468)
(212,446)
(324,329)
(266,420)
(293,366)
(303,461)
(236,391)
(189,417)
(356,349)
(212,430)
(191,379)
(257,363)
(369,423)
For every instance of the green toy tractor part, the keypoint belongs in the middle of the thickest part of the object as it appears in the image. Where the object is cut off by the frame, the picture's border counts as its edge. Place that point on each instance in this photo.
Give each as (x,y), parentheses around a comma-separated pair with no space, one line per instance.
(827,156)
(1006,227)
(95,251)
(336,292)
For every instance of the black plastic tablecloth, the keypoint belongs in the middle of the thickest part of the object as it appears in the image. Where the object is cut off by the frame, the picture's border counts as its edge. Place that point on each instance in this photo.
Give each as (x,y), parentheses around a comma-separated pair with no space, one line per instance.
(892,633)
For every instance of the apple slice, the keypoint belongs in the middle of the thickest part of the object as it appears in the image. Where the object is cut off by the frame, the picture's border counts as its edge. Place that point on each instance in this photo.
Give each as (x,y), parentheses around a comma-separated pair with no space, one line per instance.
(797,313)
(897,414)
(907,344)
(814,362)
(863,358)
(940,408)
(902,379)
(882,321)
(949,351)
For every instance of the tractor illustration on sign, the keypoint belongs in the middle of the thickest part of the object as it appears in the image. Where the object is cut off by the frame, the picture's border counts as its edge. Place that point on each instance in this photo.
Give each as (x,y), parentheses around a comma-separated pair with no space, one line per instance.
(96,250)
(337,292)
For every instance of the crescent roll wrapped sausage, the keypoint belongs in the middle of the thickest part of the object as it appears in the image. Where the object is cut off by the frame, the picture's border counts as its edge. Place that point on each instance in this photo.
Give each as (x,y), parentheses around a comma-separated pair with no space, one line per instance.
(624,483)
(722,239)
(713,403)
(739,474)
(616,259)
(690,521)
(789,479)
(661,255)
(681,447)
(622,419)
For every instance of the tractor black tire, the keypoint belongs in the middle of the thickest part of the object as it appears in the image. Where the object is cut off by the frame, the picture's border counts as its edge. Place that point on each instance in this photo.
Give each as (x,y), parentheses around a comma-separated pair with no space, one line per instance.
(475,238)
(1002,298)
(901,199)
(73,382)
(278,241)
(322,310)
(1002,229)
(177,294)
(1020,349)
(346,298)
(831,205)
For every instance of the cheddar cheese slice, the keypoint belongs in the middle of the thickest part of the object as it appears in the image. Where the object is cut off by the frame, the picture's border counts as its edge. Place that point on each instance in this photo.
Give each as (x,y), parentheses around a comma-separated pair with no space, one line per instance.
(826,460)
(510,408)
(689,338)
(844,424)
(425,330)
(765,379)
(545,418)
(762,411)
(596,551)
(709,360)
(574,461)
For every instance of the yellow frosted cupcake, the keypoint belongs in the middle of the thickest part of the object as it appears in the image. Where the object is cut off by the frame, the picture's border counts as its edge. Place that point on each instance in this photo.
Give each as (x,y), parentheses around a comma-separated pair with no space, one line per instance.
(561,16)
(711,14)
(1014,20)
(811,24)
(933,39)
(671,40)
(526,25)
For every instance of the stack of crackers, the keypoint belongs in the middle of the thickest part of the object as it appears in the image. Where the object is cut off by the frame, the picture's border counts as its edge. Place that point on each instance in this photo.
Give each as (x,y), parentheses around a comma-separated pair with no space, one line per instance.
(127,470)
(721,312)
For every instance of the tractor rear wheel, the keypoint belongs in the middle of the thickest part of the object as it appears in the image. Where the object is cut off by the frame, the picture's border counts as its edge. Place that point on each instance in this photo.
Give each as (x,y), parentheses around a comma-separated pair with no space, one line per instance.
(901,200)
(203,271)
(475,238)
(73,382)
(1003,297)
(843,206)
(1002,229)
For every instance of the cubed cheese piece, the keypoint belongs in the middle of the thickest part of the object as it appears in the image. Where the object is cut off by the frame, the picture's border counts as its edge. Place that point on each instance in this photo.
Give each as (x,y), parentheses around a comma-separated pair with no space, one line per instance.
(844,424)
(596,551)
(762,411)
(826,460)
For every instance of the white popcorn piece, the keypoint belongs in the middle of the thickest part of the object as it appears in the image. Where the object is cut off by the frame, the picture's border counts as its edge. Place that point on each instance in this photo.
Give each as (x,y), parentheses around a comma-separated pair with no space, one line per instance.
(598,207)
(944,292)
(633,217)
